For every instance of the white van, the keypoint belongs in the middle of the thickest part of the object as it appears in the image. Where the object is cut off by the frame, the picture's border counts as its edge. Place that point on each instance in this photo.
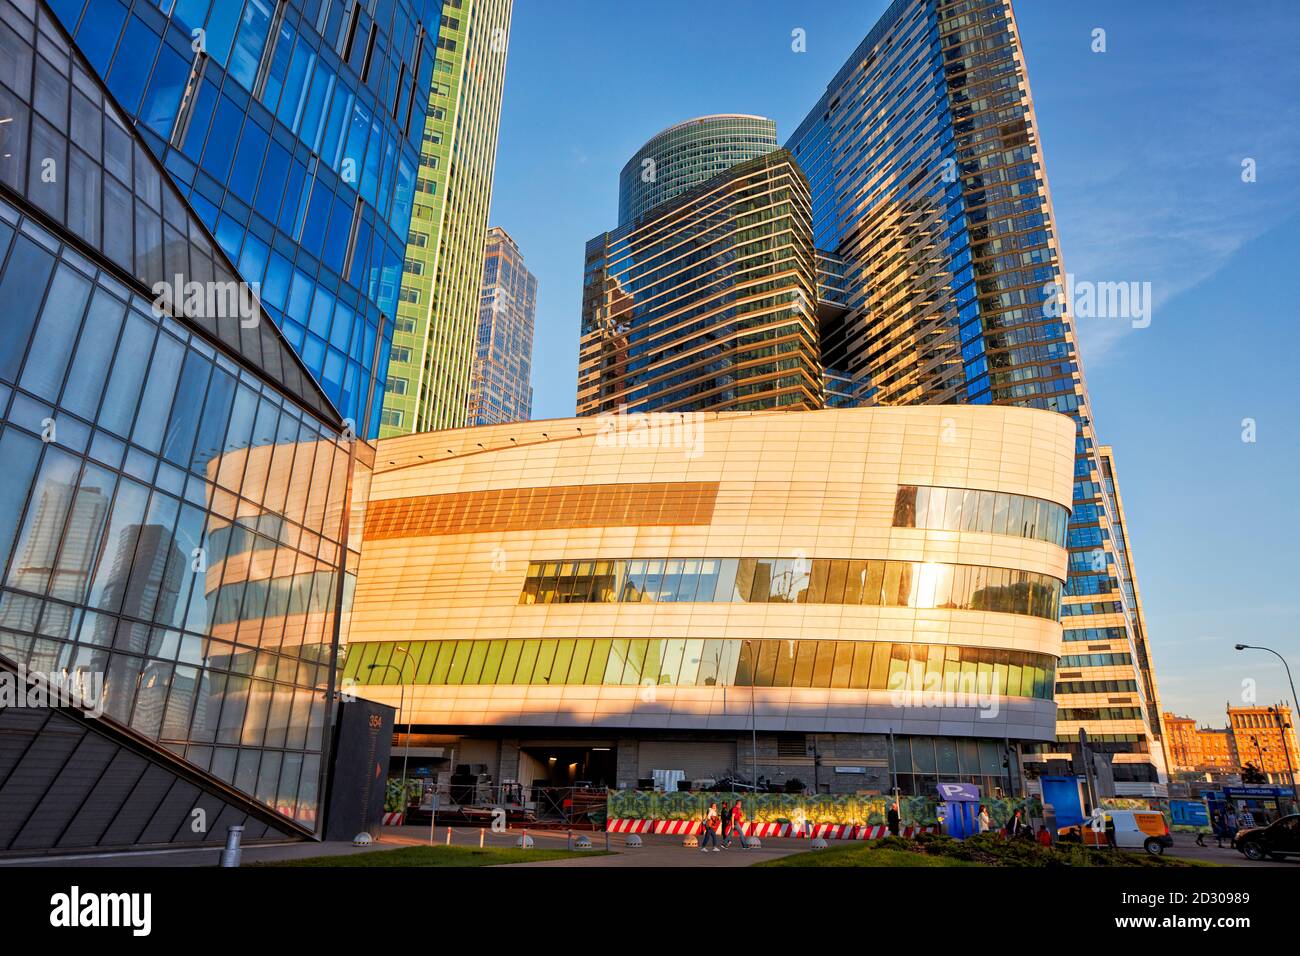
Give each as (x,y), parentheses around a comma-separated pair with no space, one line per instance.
(1134,829)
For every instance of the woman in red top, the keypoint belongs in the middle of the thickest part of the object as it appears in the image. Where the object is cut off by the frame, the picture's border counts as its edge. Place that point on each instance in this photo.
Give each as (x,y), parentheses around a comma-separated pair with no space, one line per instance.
(737,826)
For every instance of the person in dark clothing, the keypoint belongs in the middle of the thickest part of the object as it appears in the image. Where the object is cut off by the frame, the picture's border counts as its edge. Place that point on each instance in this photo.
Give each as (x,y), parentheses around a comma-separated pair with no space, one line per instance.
(1015,825)
(724,828)
(1110,832)
(892,819)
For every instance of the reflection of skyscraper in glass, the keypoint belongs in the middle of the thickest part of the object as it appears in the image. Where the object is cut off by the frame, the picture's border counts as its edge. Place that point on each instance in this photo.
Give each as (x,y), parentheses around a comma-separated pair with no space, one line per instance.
(55,559)
(139,431)
(503,360)
(293,132)
(437,315)
(926,172)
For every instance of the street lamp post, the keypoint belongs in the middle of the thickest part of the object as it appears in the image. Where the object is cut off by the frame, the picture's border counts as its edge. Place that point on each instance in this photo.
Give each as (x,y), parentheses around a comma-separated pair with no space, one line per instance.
(1283,727)
(401,706)
(1295,702)
(753,713)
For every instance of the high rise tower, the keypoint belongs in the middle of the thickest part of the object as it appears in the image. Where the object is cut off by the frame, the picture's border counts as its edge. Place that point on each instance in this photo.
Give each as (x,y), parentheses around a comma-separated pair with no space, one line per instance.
(928,185)
(293,132)
(503,359)
(708,300)
(437,318)
(202,206)
(685,155)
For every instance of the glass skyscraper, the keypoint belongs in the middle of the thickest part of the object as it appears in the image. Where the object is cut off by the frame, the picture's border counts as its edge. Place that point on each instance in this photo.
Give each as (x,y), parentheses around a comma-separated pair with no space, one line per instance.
(706,301)
(685,155)
(437,317)
(179,467)
(926,172)
(500,391)
(292,129)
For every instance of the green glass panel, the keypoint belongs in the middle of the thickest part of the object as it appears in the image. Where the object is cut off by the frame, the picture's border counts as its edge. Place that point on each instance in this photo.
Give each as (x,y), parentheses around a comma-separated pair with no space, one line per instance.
(477,654)
(456,675)
(424,673)
(527,661)
(510,662)
(492,663)
(545,660)
(578,666)
(616,663)
(600,651)
(445,652)
(563,658)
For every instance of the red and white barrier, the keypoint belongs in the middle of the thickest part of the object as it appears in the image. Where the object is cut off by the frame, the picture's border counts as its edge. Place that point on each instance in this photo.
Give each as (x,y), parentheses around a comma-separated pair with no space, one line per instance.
(678,827)
(827,831)
(394,819)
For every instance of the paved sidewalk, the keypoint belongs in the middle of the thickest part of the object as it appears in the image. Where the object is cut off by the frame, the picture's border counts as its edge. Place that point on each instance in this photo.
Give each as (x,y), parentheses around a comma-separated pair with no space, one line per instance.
(656,851)
(205,856)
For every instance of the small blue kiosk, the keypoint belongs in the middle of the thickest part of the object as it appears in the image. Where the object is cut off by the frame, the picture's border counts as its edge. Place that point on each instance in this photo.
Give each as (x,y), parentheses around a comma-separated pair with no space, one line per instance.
(959,809)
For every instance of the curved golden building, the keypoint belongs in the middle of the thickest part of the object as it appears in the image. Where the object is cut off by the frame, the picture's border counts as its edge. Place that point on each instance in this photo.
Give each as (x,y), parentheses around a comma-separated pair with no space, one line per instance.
(599,598)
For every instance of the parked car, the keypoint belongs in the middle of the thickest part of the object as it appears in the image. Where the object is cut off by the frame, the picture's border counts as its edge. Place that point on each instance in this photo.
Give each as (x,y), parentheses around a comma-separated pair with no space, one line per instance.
(1278,840)
(1145,829)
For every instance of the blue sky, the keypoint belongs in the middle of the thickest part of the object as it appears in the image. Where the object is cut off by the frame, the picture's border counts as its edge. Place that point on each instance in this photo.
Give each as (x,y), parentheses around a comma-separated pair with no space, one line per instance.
(1143,146)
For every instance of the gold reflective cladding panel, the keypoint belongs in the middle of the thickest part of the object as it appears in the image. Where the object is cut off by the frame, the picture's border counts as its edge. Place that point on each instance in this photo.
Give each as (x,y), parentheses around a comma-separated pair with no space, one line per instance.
(518,509)
(820,486)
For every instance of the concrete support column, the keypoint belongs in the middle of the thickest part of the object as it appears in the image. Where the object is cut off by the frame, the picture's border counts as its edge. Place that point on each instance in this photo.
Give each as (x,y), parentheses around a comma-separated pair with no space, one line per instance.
(626,763)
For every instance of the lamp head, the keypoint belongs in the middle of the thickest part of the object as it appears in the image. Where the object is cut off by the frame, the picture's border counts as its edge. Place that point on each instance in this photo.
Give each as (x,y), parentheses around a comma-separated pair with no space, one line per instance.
(1241,647)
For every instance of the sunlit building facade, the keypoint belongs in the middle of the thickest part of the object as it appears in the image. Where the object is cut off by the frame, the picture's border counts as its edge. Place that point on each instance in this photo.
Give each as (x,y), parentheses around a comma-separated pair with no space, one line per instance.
(708,301)
(174,511)
(501,389)
(927,181)
(1195,749)
(598,599)
(1264,736)
(686,154)
(431,365)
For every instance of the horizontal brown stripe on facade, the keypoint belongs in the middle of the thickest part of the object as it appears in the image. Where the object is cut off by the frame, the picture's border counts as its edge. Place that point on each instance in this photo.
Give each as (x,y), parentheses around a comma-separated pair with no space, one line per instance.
(646,504)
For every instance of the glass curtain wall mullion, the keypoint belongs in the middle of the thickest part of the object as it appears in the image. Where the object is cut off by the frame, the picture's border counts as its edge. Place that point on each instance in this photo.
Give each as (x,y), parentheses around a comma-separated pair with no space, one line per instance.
(869,582)
(913,669)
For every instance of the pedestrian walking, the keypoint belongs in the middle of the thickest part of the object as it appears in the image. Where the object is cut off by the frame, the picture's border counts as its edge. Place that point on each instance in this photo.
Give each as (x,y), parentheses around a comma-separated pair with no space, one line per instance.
(1221,830)
(724,827)
(892,819)
(709,832)
(1230,818)
(1110,832)
(737,827)
(983,822)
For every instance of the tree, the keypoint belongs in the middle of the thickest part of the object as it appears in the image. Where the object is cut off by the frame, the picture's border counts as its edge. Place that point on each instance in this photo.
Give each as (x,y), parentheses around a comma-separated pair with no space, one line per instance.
(1250,774)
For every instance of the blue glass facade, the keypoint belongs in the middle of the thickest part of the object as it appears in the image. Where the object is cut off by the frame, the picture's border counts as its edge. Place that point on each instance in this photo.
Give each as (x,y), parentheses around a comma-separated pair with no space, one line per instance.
(928,187)
(292,129)
(174,509)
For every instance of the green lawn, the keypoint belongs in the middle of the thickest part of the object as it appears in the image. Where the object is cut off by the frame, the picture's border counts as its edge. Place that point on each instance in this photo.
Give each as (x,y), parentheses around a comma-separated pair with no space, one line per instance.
(983,850)
(859,855)
(438,856)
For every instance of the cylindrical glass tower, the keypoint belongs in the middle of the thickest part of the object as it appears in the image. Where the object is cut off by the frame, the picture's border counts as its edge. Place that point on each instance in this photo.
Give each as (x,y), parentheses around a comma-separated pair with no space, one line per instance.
(686,154)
